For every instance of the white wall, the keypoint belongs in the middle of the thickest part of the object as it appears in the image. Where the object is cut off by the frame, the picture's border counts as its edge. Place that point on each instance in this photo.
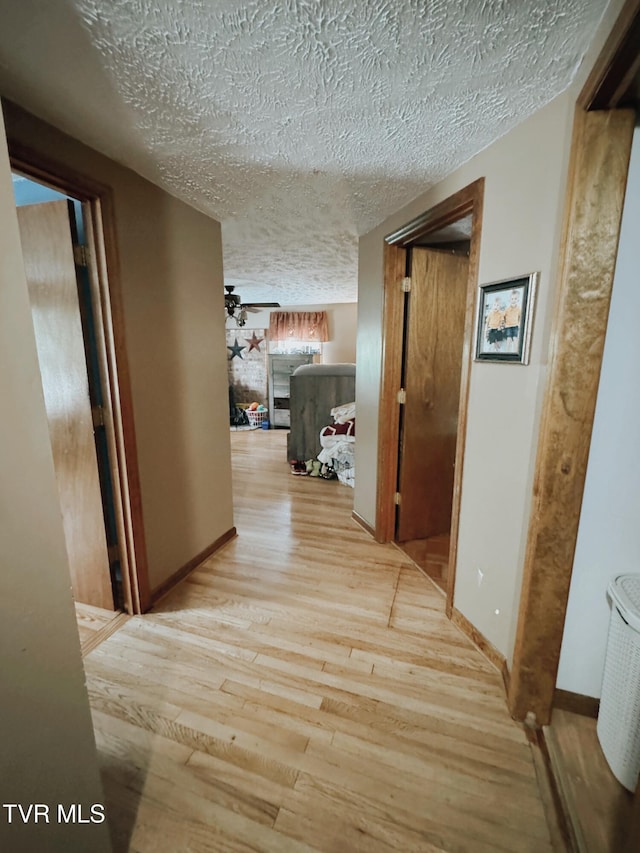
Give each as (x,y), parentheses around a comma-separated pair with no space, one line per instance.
(342,318)
(48,752)
(609,533)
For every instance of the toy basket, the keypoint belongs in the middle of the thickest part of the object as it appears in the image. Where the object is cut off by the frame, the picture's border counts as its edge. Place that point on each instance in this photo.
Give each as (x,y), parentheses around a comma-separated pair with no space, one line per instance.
(256,418)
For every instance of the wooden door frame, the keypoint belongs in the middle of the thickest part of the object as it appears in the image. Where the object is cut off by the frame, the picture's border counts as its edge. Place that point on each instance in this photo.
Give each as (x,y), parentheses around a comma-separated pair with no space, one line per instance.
(600,151)
(98,209)
(468,200)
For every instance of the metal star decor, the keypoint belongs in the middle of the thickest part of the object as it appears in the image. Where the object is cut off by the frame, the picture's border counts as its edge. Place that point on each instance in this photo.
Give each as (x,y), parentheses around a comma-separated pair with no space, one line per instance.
(236,350)
(255,342)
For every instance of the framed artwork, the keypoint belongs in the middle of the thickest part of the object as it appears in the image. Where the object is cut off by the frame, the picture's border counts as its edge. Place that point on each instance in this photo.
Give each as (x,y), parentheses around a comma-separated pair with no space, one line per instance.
(504,320)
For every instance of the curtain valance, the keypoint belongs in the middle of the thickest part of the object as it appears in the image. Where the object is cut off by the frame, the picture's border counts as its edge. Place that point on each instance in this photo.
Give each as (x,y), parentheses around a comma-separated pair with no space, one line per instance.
(299,326)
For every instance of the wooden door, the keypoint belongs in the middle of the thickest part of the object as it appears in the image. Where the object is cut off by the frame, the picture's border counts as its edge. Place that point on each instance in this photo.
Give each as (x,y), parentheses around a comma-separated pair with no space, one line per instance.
(432,368)
(45,232)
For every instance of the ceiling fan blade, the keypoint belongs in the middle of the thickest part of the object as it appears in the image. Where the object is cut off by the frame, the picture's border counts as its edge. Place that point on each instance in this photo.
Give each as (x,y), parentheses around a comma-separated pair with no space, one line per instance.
(258,305)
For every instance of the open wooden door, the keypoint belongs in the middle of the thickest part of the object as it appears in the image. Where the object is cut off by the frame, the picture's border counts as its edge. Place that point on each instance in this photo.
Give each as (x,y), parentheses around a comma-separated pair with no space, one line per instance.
(432,370)
(45,231)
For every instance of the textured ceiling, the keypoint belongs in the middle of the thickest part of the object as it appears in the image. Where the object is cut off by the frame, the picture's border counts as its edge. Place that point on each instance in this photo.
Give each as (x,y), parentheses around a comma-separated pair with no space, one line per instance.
(300,125)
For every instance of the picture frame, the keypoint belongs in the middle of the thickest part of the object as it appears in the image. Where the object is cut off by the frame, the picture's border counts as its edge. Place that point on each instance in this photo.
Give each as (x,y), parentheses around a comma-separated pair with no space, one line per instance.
(504,319)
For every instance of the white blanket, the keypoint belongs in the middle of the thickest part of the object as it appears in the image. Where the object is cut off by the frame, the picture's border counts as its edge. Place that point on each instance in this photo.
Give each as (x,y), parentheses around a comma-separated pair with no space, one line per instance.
(339,452)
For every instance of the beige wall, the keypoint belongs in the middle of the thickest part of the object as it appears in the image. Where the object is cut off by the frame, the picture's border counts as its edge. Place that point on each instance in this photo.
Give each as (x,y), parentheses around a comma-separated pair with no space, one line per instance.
(171,278)
(525,176)
(343,330)
(343,327)
(173,296)
(522,172)
(48,752)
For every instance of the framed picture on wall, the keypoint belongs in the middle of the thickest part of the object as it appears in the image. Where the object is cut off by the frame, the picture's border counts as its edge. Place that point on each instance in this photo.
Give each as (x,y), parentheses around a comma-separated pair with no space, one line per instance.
(504,319)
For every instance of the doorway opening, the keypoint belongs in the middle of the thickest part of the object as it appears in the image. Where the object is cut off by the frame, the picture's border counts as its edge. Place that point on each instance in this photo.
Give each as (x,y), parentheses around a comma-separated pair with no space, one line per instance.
(431,270)
(52,233)
(435,302)
(70,267)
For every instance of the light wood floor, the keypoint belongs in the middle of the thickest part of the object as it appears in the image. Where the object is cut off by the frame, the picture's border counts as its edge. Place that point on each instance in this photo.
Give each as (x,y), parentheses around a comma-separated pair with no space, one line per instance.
(303,691)
(599,807)
(431,556)
(96,624)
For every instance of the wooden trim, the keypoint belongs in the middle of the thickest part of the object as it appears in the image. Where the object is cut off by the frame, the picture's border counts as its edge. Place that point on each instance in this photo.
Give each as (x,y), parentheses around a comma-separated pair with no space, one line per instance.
(53,173)
(119,395)
(359,520)
(467,200)
(450,210)
(120,428)
(477,201)
(480,641)
(598,173)
(104,633)
(388,412)
(506,676)
(632,844)
(561,828)
(608,85)
(586,706)
(181,573)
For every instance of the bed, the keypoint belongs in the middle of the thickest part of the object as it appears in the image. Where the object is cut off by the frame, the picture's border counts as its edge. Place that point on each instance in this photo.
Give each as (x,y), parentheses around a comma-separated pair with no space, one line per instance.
(316,389)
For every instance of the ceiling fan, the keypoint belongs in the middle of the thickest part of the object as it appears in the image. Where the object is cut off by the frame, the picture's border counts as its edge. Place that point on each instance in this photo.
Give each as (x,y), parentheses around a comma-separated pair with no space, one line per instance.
(238,309)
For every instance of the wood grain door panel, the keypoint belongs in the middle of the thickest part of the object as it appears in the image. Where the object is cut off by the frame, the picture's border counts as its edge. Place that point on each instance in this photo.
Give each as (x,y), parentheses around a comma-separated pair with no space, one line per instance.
(45,234)
(433,362)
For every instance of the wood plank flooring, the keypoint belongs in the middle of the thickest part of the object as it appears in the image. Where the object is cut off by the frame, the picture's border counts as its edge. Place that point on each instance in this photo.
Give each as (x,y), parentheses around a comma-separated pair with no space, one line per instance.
(96,624)
(303,691)
(431,556)
(598,805)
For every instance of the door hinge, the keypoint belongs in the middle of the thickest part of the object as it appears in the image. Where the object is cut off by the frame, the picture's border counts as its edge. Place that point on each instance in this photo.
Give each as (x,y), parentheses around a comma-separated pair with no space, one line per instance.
(406,285)
(402,396)
(396,499)
(81,255)
(113,554)
(97,416)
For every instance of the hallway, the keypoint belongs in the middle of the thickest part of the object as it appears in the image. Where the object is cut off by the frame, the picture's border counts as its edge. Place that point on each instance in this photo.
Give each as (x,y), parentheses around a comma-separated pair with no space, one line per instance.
(303,690)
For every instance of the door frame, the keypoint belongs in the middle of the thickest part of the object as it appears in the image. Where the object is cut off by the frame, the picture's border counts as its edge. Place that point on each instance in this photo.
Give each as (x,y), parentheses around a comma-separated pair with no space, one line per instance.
(468,200)
(103,262)
(598,166)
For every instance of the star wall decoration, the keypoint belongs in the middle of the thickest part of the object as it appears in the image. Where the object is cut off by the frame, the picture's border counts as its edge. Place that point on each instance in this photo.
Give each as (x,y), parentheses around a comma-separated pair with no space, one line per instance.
(255,342)
(236,350)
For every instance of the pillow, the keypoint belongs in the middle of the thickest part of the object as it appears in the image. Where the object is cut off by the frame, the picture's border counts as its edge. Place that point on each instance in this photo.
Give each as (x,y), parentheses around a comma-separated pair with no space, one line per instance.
(344,413)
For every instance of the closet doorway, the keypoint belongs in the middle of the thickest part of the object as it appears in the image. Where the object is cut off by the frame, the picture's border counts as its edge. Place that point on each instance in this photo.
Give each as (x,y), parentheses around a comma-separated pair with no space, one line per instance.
(64,326)
(68,239)
(430,289)
(432,360)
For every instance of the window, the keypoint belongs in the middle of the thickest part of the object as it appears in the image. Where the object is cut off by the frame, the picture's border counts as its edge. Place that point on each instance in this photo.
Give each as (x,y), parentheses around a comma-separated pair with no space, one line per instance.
(293,347)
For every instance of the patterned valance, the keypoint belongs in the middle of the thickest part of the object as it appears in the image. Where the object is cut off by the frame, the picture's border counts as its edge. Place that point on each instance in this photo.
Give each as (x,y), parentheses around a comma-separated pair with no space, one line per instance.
(298,326)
